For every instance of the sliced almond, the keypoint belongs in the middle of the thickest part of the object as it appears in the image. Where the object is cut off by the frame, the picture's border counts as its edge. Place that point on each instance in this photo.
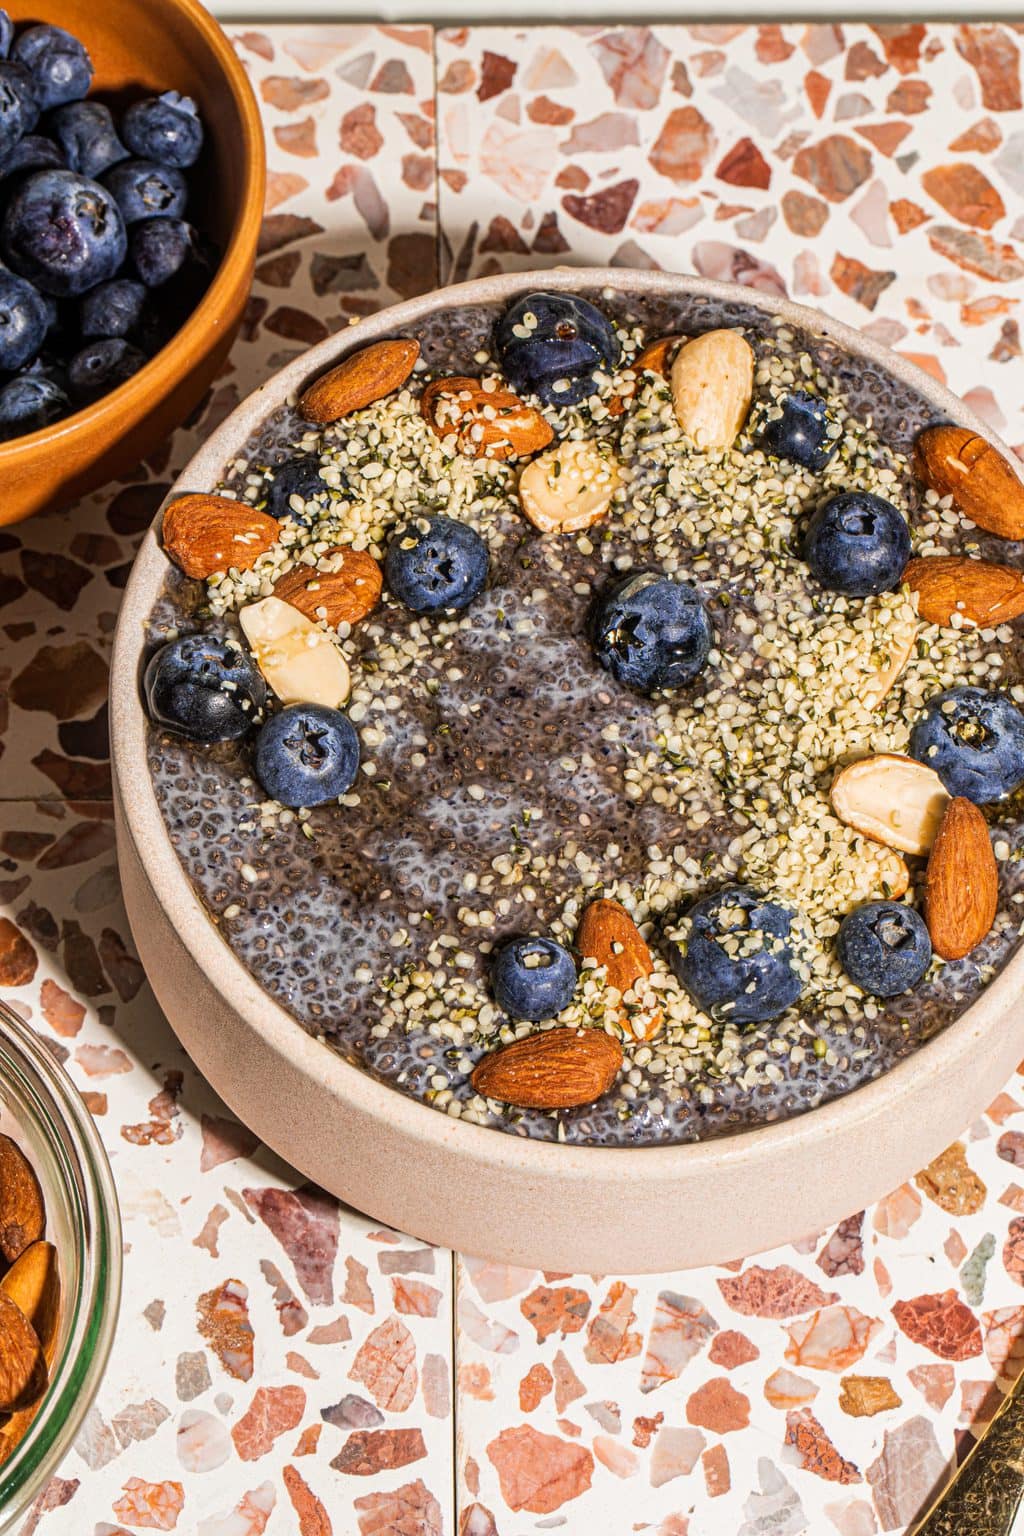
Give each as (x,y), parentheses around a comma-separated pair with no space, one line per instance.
(875,686)
(22,1364)
(32,1284)
(953,589)
(342,588)
(299,661)
(608,935)
(22,1212)
(556,1069)
(366,376)
(962,887)
(569,487)
(204,534)
(954,461)
(482,419)
(895,800)
(712,386)
(656,357)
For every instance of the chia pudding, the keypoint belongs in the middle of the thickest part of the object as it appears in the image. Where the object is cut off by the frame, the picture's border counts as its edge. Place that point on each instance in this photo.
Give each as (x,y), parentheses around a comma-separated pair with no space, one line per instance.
(507,780)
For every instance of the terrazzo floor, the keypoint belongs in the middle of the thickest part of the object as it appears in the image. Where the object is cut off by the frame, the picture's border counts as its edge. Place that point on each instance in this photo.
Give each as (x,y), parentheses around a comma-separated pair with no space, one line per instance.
(282,1364)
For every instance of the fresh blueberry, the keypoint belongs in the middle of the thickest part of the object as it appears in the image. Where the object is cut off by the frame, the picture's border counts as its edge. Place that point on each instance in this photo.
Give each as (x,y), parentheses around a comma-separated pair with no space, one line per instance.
(63,232)
(974,740)
(85,132)
(164,128)
(23,321)
(19,110)
(101,366)
(884,948)
(298,476)
(857,544)
(29,402)
(6,34)
(650,632)
(307,754)
(435,563)
(203,687)
(735,956)
(533,978)
(552,344)
(801,433)
(61,69)
(144,190)
(114,308)
(161,248)
(32,153)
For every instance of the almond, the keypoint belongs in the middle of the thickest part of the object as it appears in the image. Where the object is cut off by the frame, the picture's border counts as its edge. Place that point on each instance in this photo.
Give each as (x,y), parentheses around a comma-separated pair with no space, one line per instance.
(32,1284)
(342,589)
(22,1365)
(980,592)
(712,384)
(557,1069)
(568,488)
(299,661)
(895,800)
(485,420)
(876,686)
(609,935)
(962,886)
(22,1213)
(206,533)
(656,357)
(954,461)
(366,376)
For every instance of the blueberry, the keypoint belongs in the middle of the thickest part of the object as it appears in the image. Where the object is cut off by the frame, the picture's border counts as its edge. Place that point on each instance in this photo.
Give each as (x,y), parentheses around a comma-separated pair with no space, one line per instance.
(857,544)
(86,134)
(650,631)
(160,248)
(884,948)
(19,110)
(435,563)
(307,754)
(801,433)
(546,339)
(101,366)
(23,321)
(974,740)
(63,232)
(144,190)
(533,978)
(29,402)
(164,128)
(735,956)
(32,153)
(114,308)
(61,69)
(299,476)
(6,34)
(203,687)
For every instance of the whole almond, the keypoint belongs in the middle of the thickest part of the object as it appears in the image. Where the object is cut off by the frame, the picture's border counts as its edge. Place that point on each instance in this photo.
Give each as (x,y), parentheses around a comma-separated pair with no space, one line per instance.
(203,533)
(895,800)
(366,376)
(345,591)
(954,461)
(608,935)
(962,886)
(32,1284)
(712,385)
(22,1212)
(978,592)
(22,1364)
(556,1069)
(486,422)
(656,357)
(569,487)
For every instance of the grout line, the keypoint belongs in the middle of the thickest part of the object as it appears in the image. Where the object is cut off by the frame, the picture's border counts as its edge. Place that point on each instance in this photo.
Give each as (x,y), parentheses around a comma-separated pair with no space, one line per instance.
(455,1391)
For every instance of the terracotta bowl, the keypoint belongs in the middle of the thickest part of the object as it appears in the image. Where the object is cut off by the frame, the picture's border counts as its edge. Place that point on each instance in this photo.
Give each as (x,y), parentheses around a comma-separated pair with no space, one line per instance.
(559,1207)
(137,47)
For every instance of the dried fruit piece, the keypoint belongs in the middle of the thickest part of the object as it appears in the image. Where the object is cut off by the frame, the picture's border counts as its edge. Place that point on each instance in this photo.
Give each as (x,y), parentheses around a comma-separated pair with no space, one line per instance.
(366,376)
(569,487)
(978,592)
(557,1069)
(962,887)
(22,1213)
(954,461)
(874,687)
(656,357)
(712,384)
(893,799)
(299,661)
(204,533)
(484,419)
(342,589)
(22,1365)
(609,935)
(32,1284)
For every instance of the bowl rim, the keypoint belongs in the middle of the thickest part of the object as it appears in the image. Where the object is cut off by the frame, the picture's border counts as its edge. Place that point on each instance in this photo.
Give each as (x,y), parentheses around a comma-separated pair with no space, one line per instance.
(283,1034)
(110,408)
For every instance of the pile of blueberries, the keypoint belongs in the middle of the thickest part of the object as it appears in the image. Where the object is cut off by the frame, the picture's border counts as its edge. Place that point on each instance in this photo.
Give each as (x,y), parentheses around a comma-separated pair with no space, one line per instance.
(100,265)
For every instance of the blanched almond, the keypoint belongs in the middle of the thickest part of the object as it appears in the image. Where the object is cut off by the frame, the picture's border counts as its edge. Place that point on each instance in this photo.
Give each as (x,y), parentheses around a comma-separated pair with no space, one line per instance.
(712,385)
(896,653)
(569,487)
(893,799)
(556,1069)
(299,661)
(366,376)
(962,889)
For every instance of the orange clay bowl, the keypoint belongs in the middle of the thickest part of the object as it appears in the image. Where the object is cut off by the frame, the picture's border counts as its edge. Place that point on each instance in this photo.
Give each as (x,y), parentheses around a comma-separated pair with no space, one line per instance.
(139,47)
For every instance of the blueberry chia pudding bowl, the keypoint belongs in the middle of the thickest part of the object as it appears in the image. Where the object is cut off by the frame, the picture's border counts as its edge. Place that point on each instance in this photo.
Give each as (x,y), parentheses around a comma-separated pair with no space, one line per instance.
(599,716)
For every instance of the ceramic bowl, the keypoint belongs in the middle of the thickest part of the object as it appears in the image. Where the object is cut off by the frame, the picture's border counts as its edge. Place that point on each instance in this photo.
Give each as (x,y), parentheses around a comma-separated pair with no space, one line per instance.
(137,47)
(559,1207)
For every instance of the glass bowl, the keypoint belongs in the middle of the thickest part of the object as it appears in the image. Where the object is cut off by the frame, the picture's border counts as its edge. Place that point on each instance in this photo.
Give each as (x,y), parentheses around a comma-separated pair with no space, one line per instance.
(41,1109)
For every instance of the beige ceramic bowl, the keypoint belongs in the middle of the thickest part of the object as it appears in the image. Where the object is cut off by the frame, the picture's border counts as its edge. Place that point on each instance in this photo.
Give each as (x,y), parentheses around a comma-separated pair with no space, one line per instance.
(477,1190)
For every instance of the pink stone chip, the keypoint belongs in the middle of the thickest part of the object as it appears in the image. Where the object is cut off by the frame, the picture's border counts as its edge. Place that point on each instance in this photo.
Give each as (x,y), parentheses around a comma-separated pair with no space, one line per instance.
(539,1473)
(832,1339)
(682,1326)
(153,1506)
(718,1406)
(273,1412)
(386,1365)
(942,1323)
(222,1317)
(779,1292)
